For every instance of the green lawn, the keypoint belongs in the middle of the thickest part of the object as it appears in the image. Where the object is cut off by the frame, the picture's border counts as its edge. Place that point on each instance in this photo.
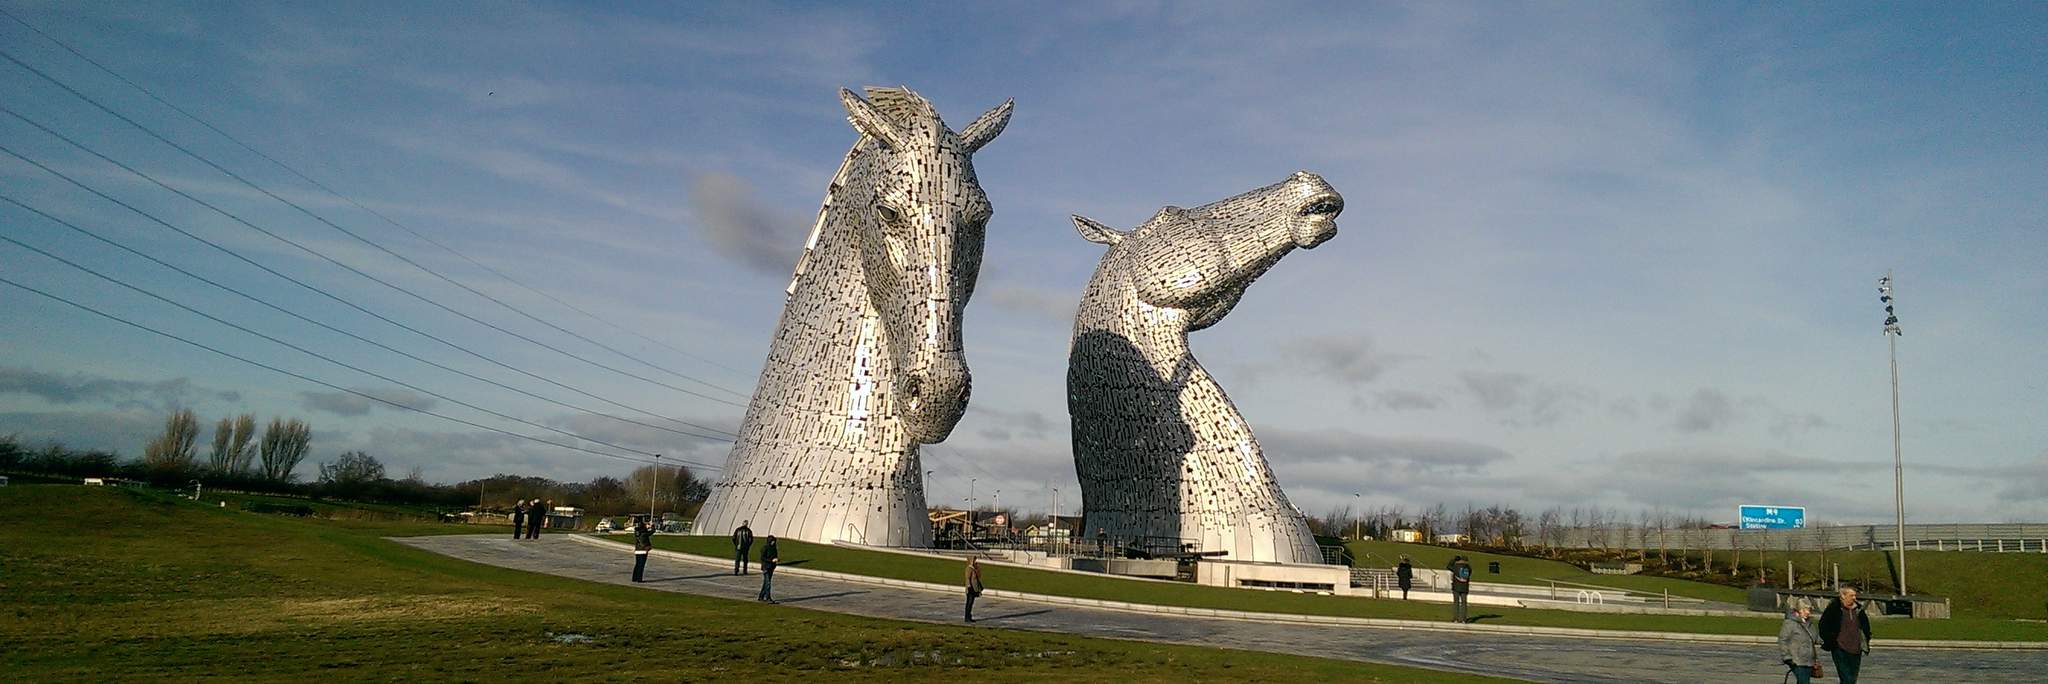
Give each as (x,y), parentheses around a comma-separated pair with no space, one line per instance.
(1978,585)
(1532,571)
(945,571)
(114,584)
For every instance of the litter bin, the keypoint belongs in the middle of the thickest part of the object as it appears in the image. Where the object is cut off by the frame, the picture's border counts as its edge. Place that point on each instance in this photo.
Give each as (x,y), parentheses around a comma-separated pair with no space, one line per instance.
(1493,567)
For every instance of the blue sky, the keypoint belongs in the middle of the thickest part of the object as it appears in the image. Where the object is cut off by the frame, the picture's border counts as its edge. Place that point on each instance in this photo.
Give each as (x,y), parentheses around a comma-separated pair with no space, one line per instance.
(1609,254)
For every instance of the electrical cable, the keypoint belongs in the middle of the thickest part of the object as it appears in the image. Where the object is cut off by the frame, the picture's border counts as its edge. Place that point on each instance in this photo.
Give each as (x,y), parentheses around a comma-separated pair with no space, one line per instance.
(324,293)
(316,253)
(317,355)
(351,201)
(259,364)
(359,338)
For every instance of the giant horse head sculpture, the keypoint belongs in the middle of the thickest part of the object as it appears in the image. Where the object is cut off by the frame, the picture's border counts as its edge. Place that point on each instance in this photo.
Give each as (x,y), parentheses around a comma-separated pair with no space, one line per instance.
(1162,454)
(1201,260)
(919,222)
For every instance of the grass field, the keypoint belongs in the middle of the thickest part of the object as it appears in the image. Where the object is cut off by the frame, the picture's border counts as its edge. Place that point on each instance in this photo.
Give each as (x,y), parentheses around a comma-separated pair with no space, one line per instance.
(1978,585)
(945,571)
(113,584)
(1532,571)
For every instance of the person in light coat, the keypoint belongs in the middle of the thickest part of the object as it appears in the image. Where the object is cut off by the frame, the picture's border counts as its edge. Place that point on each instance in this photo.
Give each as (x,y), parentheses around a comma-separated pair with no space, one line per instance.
(1798,641)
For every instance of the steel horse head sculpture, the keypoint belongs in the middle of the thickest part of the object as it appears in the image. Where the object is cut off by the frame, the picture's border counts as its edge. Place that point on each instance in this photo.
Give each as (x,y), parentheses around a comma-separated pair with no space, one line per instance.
(1160,450)
(867,364)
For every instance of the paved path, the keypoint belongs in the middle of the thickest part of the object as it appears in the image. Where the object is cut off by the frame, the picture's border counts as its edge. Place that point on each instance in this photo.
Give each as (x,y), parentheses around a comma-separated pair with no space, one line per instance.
(1544,659)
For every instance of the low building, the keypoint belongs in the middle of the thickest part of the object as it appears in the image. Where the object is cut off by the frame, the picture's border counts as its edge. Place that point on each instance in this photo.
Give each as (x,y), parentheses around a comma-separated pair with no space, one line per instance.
(1453,538)
(1409,536)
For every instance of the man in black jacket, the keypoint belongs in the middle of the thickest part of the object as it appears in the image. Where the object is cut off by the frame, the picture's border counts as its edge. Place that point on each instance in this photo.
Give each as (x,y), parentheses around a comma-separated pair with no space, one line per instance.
(770,556)
(643,542)
(742,540)
(519,519)
(1845,633)
(1404,574)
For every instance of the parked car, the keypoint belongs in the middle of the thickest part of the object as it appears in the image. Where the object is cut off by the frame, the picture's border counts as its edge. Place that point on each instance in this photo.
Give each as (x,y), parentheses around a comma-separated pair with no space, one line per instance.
(604,526)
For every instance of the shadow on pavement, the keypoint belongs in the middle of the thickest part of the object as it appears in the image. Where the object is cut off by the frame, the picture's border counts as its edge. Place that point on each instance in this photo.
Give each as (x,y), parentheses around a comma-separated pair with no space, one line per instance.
(821,596)
(1027,613)
(691,577)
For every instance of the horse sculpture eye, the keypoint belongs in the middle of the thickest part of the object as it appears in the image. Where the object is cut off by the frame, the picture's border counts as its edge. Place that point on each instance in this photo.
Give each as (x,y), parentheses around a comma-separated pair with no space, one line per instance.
(889,214)
(1323,207)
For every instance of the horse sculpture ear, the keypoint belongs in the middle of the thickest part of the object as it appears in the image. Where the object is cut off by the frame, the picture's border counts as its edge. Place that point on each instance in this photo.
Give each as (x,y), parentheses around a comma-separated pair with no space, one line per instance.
(986,127)
(866,120)
(1095,232)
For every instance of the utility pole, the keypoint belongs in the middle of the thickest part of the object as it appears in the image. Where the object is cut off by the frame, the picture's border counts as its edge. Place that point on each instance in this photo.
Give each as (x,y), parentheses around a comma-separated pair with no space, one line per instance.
(1892,334)
(1357,523)
(970,507)
(652,487)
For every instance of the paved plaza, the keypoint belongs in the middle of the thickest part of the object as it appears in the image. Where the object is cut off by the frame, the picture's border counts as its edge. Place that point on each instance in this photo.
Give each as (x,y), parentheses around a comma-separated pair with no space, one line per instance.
(1543,659)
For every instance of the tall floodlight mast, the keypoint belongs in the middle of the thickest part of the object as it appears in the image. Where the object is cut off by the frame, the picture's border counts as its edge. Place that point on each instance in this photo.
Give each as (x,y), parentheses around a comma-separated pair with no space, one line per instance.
(1892,334)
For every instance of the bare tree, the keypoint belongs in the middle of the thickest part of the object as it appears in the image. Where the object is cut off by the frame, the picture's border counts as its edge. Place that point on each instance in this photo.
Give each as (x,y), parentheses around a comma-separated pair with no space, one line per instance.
(283,447)
(240,455)
(172,450)
(350,470)
(223,434)
(677,490)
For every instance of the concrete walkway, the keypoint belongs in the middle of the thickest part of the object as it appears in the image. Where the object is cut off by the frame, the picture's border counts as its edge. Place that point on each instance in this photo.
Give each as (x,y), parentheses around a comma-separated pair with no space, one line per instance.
(1531,657)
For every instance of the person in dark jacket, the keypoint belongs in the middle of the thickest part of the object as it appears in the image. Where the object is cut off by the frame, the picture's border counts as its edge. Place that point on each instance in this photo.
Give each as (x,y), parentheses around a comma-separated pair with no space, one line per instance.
(643,542)
(973,585)
(1404,575)
(1845,633)
(770,556)
(1461,585)
(742,541)
(1797,641)
(534,516)
(519,519)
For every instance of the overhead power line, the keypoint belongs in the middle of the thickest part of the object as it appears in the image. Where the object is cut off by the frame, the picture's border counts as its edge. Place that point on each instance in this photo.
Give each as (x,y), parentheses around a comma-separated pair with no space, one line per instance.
(359,338)
(318,355)
(314,252)
(351,201)
(317,290)
(259,364)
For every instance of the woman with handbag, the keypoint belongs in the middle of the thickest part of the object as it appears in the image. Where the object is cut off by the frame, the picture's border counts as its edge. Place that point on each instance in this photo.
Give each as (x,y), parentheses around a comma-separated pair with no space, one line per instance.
(1798,645)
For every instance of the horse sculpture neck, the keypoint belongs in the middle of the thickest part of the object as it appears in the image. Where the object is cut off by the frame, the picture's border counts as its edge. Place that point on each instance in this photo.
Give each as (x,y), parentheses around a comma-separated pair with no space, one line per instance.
(821,453)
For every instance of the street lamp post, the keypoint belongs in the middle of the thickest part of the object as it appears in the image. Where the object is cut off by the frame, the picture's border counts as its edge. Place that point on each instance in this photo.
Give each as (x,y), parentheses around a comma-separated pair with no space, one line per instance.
(970,506)
(1892,334)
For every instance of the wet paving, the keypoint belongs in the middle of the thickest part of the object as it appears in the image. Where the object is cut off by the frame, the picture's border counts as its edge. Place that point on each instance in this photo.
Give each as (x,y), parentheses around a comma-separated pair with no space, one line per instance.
(1534,658)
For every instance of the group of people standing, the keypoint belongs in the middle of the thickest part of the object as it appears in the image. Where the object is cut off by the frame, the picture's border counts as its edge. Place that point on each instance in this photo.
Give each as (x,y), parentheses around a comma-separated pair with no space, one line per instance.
(527,517)
(1461,584)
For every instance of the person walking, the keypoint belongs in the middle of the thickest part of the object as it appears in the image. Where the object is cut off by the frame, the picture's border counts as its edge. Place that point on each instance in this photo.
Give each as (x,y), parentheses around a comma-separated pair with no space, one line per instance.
(742,541)
(973,585)
(1798,645)
(770,556)
(533,515)
(643,542)
(1461,586)
(1845,633)
(519,519)
(1404,575)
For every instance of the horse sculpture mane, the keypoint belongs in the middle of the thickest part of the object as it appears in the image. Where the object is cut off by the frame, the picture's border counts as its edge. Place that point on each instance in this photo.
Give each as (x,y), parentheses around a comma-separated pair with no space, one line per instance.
(1163,456)
(866,363)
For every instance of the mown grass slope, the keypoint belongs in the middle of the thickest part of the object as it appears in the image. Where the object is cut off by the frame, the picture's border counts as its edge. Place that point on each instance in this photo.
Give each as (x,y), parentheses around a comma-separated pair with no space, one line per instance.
(947,571)
(112,584)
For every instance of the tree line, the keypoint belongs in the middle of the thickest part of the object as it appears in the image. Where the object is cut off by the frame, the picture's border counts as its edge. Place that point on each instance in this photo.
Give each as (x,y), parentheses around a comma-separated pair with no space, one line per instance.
(242,459)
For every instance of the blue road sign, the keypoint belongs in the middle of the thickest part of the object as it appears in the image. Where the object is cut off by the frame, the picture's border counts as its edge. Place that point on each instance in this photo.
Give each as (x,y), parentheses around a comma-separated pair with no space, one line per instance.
(1770,517)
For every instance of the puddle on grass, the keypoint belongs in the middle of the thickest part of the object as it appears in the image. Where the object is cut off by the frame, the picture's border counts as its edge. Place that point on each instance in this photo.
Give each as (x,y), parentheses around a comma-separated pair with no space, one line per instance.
(569,638)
